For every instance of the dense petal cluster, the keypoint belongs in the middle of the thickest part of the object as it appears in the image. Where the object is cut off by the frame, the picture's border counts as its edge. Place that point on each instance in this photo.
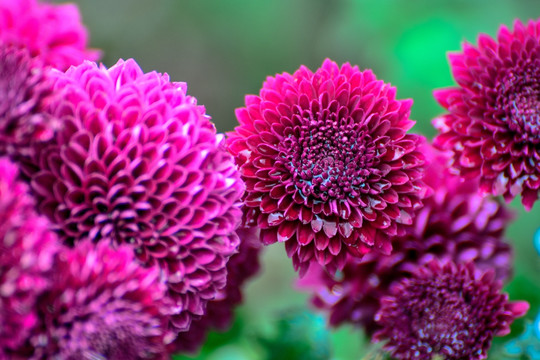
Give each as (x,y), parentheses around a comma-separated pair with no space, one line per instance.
(449,310)
(138,161)
(493,118)
(101,305)
(456,224)
(24,89)
(51,32)
(220,311)
(27,250)
(328,166)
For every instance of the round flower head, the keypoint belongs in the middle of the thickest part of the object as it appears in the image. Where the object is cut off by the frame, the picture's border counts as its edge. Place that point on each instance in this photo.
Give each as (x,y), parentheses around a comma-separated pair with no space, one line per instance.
(101,305)
(27,249)
(456,224)
(51,32)
(220,311)
(139,162)
(449,310)
(493,118)
(328,166)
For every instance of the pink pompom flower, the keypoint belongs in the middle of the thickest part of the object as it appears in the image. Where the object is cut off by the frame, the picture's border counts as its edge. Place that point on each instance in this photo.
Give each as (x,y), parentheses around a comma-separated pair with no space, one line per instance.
(139,162)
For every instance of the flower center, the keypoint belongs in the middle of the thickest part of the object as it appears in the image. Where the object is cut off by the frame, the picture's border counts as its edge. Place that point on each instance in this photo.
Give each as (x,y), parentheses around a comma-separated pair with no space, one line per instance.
(329,157)
(443,327)
(519,99)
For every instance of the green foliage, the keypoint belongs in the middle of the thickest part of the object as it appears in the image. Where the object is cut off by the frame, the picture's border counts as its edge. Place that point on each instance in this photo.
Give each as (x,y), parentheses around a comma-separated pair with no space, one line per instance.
(300,335)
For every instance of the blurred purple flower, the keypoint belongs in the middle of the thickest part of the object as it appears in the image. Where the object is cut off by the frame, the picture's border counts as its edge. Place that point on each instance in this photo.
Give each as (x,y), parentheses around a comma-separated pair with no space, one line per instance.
(27,249)
(101,305)
(493,119)
(137,161)
(456,224)
(220,311)
(329,168)
(450,310)
(24,90)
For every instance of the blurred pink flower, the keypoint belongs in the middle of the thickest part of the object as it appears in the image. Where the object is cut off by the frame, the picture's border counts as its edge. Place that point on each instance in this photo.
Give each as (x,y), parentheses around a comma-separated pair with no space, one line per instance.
(27,249)
(51,32)
(101,305)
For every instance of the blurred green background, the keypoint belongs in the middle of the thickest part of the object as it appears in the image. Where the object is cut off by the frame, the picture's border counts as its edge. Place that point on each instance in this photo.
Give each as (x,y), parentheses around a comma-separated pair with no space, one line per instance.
(224,49)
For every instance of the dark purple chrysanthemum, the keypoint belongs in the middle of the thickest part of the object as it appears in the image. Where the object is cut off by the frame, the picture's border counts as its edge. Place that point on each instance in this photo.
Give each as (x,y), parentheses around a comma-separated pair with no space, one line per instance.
(27,249)
(328,166)
(138,161)
(52,32)
(450,310)
(24,88)
(456,224)
(220,311)
(101,305)
(494,114)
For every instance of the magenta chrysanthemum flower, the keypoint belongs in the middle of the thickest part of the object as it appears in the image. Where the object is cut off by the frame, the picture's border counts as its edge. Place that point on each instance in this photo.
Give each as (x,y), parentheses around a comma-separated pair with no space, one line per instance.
(101,305)
(220,311)
(450,310)
(24,88)
(494,114)
(139,162)
(52,32)
(328,166)
(27,249)
(456,224)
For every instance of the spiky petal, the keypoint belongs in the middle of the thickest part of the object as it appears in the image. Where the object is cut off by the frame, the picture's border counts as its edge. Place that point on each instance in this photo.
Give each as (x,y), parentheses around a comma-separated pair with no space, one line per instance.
(219,312)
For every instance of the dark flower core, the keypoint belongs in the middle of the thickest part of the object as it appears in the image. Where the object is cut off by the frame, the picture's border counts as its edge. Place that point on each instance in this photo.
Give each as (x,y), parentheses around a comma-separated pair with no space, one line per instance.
(443,325)
(329,156)
(519,98)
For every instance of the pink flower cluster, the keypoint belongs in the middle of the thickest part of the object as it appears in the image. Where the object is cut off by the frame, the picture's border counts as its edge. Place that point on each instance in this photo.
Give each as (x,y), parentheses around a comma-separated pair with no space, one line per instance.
(128,225)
